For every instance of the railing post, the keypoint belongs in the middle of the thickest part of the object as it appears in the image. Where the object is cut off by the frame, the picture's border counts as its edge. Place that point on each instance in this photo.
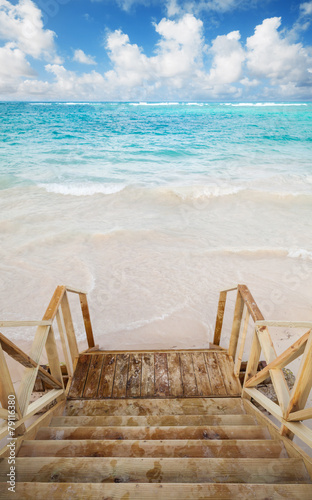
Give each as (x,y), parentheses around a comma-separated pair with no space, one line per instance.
(253,360)
(238,314)
(69,327)
(86,319)
(219,318)
(53,358)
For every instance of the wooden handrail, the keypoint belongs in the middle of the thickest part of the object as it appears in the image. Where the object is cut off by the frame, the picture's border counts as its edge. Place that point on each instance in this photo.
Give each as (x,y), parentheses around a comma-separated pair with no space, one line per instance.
(290,408)
(59,310)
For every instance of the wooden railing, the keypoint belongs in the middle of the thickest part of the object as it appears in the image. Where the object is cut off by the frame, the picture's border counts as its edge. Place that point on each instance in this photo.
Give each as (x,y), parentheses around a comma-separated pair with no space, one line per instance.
(290,410)
(58,311)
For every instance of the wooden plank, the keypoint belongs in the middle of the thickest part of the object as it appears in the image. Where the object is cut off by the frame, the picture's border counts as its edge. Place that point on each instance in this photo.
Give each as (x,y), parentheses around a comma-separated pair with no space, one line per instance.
(16,353)
(181,406)
(134,376)
(300,415)
(7,391)
(164,432)
(295,350)
(188,375)
(175,448)
(93,379)
(285,324)
(86,319)
(175,376)
(121,376)
(253,361)
(232,383)
(166,470)
(293,450)
(5,324)
(214,373)
(161,375)
(213,491)
(40,403)
(60,327)
(277,375)
(238,313)
(219,318)
(250,303)
(201,375)
(54,304)
(152,420)
(69,328)
(30,374)
(148,375)
(80,376)
(303,382)
(107,376)
(33,428)
(239,357)
(53,358)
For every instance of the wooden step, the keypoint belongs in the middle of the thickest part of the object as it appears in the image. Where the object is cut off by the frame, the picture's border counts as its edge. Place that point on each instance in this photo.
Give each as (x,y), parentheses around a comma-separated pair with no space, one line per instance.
(159,449)
(185,406)
(151,470)
(153,420)
(171,432)
(214,491)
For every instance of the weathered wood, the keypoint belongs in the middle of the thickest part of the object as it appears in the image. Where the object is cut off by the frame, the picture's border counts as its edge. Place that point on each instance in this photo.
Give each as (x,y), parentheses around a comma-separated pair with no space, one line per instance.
(161,375)
(250,303)
(152,420)
(201,375)
(176,448)
(93,379)
(166,470)
(107,376)
(181,406)
(6,391)
(232,383)
(285,324)
(16,353)
(188,375)
(121,376)
(175,377)
(217,384)
(164,432)
(213,491)
(238,313)
(134,376)
(86,319)
(295,350)
(5,324)
(219,318)
(80,376)
(147,383)
(69,328)
(54,304)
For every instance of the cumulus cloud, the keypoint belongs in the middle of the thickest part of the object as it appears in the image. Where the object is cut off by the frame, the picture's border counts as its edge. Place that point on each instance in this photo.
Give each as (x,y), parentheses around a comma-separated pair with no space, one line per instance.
(272,56)
(306,8)
(22,24)
(81,57)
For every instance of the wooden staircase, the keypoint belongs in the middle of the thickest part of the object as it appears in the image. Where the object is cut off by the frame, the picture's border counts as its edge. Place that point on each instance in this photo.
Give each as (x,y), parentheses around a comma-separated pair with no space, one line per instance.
(152,448)
(161,424)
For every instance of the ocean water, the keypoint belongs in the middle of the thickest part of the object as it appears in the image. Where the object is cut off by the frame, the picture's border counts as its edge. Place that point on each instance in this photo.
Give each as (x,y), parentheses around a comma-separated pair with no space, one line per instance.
(152,209)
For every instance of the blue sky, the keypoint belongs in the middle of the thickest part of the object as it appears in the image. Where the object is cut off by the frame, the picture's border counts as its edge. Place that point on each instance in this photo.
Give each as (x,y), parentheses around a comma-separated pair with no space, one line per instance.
(208,50)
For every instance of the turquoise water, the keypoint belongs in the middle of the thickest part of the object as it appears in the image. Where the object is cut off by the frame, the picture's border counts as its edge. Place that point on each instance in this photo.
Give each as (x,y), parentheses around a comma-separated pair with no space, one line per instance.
(108,146)
(152,209)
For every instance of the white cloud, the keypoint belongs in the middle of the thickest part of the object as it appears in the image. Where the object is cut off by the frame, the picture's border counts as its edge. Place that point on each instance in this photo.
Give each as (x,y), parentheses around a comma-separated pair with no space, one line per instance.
(271,56)
(228,59)
(22,24)
(81,57)
(306,8)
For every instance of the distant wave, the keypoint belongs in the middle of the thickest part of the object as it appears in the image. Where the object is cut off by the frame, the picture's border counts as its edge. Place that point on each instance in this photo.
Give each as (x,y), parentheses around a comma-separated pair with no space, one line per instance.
(264,104)
(154,103)
(83,189)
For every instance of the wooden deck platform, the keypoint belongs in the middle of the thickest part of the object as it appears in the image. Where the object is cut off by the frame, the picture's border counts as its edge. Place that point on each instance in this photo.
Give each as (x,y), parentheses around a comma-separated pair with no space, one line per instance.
(181,374)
